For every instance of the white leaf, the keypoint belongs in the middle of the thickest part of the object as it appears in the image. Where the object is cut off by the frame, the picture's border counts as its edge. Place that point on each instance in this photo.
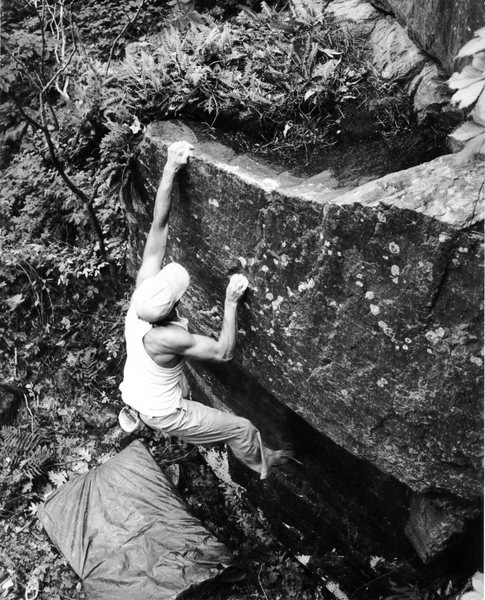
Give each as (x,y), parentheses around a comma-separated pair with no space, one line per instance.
(477,44)
(58,479)
(467,131)
(33,508)
(14,301)
(331,53)
(325,70)
(478,61)
(467,96)
(472,147)
(80,467)
(309,94)
(478,113)
(286,129)
(465,77)
(135,126)
(84,453)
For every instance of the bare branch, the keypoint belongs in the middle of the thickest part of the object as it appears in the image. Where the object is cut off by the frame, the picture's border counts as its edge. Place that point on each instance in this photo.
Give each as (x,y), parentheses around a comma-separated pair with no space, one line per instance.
(122,32)
(53,115)
(58,72)
(88,202)
(25,115)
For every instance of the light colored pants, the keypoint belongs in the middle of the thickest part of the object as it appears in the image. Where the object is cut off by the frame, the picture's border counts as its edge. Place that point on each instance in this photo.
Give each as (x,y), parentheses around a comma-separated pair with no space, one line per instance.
(205,426)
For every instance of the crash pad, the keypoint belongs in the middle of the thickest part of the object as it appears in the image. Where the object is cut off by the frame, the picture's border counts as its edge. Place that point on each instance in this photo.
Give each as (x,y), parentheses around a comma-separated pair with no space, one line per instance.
(127,534)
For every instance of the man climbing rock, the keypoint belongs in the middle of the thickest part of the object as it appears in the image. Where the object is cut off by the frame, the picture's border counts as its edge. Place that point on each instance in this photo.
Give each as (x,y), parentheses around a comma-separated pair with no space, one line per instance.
(158,342)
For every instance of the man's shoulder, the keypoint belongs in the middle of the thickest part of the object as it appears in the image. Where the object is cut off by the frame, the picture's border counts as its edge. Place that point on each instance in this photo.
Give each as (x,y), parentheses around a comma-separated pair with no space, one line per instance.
(168,336)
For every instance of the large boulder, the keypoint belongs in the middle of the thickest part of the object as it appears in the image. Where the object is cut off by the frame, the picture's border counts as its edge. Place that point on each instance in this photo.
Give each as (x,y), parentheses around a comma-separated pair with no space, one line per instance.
(440,27)
(361,334)
(395,56)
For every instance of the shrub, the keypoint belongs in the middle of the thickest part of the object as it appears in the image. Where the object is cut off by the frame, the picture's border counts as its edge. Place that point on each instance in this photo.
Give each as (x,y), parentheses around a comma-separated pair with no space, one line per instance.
(269,69)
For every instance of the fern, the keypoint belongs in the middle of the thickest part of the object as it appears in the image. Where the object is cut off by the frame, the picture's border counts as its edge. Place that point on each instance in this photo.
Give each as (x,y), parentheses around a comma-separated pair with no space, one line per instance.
(266,10)
(24,455)
(36,463)
(25,450)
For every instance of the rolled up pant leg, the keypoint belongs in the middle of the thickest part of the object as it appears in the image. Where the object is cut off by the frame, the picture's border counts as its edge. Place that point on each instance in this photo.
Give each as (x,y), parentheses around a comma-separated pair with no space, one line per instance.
(199,424)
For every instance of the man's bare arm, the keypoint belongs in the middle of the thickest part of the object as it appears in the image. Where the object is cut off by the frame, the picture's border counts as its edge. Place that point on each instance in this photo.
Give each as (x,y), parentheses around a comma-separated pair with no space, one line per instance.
(177,156)
(175,341)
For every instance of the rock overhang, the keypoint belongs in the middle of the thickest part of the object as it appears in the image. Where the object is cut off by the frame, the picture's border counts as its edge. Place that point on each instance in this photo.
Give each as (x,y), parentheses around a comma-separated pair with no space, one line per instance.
(364,309)
(370,287)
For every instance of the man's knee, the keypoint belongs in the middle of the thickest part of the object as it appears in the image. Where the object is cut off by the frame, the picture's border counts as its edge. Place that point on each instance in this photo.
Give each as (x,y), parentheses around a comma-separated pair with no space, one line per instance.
(246,427)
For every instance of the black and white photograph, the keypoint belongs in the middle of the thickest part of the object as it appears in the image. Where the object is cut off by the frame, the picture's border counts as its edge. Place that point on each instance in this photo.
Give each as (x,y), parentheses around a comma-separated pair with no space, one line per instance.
(241,299)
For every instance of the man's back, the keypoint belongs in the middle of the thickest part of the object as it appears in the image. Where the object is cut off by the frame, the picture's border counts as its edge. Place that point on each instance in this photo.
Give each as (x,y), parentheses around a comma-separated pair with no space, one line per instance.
(149,387)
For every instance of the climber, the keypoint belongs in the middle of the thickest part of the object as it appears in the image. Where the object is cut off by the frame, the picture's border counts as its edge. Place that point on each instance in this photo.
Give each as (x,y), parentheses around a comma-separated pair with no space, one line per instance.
(154,387)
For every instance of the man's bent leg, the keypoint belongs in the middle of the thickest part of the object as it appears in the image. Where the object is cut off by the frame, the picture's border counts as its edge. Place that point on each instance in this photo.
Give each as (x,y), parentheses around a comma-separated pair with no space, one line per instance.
(206,426)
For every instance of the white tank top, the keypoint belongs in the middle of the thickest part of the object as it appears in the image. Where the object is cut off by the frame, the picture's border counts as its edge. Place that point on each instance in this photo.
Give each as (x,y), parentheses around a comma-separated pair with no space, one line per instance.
(150,389)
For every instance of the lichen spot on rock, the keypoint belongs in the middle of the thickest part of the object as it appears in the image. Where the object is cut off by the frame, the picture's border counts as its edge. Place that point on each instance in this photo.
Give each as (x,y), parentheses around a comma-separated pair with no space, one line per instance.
(385,328)
(435,336)
(306,285)
(276,303)
(375,310)
(444,237)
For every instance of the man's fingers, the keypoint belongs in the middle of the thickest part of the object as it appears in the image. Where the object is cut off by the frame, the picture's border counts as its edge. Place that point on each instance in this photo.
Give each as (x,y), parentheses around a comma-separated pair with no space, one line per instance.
(178,154)
(188,152)
(181,149)
(239,282)
(244,282)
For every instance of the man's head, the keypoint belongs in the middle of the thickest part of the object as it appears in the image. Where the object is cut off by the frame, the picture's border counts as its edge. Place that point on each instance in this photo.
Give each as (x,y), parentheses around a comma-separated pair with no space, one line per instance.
(157,295)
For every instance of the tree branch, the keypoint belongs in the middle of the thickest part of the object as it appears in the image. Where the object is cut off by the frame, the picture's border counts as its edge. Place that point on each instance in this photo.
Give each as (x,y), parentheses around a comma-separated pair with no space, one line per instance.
(30,120)
(58,72)
(122,32)
(70,184)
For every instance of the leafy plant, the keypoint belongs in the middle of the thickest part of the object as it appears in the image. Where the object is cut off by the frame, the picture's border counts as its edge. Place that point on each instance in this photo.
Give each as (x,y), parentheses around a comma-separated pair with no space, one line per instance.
(24,455)
(268,69)
(469,84)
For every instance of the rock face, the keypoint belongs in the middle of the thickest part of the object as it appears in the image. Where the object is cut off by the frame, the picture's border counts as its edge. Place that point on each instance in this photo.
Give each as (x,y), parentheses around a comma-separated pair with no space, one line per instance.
(440,27)
(397,57)
(360,337)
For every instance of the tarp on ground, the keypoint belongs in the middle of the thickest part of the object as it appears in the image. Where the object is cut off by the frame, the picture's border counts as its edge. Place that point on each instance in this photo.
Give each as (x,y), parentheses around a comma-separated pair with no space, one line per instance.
(127,534)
